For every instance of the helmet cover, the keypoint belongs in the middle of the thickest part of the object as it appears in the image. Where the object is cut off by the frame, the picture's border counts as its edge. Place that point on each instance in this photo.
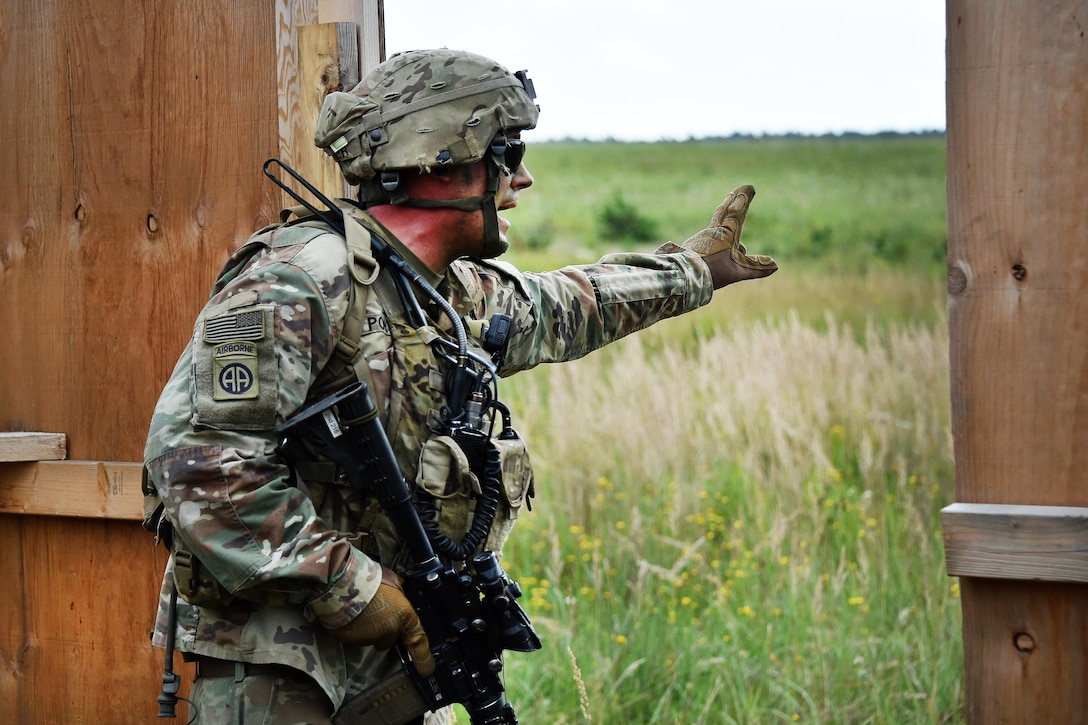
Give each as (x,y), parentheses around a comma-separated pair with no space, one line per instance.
(423,109)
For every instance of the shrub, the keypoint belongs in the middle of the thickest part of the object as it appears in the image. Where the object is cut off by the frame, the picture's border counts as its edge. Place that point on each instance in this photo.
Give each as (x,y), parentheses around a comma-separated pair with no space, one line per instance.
(619,219)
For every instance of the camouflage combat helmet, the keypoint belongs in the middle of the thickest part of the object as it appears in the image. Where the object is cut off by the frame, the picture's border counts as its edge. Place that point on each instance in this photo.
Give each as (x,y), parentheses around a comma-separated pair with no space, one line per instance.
(422,110)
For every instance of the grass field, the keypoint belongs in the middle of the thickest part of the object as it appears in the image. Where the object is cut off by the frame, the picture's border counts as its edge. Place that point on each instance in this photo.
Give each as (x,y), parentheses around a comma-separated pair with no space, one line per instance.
(737,511)
(846,204)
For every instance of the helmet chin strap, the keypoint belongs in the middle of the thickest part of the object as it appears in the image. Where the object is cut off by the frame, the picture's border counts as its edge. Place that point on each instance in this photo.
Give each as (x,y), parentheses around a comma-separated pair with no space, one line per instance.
(493,244)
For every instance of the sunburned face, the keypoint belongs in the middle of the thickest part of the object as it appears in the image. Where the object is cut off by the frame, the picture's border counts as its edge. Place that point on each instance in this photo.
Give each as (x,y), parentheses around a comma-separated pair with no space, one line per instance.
(462,231)
(467,234)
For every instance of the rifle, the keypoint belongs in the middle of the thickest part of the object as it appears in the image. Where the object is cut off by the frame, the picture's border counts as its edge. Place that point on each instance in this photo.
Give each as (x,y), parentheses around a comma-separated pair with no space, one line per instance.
(470,616)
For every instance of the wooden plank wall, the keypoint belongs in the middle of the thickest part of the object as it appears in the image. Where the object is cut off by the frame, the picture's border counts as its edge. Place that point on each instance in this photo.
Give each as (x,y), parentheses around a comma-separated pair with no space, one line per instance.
(134,151)
(75,621)
(134,135)
(1018,306)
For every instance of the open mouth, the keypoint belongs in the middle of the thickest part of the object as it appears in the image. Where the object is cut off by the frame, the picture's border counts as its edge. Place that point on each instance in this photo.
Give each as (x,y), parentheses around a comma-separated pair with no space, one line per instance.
(504,223)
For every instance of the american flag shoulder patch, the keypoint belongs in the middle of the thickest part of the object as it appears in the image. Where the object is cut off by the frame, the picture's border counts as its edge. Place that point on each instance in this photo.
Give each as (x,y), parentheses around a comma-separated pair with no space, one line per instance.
(242,325)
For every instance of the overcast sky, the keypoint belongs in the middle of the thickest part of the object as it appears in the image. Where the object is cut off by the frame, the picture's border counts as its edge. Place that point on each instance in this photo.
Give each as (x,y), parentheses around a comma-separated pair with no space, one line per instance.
(645,70)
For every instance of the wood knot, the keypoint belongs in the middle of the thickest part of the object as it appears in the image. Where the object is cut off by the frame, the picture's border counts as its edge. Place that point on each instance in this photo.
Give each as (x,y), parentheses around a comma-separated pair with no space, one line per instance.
(1023,642)
(957,280)
(1019,272)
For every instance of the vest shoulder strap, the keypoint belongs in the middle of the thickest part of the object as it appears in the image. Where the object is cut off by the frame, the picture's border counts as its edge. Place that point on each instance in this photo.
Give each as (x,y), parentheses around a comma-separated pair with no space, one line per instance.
(347,354)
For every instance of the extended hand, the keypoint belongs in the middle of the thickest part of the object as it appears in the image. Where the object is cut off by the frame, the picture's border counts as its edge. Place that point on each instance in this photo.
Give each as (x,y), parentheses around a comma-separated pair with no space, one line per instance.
(720,245)
(387,619)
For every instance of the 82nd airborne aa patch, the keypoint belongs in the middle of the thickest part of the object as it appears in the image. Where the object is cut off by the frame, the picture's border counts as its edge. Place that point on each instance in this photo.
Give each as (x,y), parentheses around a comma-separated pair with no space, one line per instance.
(235,371)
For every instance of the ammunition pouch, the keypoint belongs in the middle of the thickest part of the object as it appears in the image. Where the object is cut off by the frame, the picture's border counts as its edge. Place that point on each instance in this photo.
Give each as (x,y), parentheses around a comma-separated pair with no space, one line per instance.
(517,488)
(455,492)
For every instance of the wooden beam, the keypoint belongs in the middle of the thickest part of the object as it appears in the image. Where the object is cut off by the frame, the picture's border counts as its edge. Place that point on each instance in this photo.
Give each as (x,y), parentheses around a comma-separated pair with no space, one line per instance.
(95,489)
(359,40)
(995,541)
(328,59)
(1024,651)
(369,15)
(27,446)
(1017,148)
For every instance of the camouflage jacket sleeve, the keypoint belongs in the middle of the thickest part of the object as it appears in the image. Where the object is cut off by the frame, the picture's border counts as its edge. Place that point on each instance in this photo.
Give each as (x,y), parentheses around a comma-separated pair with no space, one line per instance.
(566,314)
(212,449)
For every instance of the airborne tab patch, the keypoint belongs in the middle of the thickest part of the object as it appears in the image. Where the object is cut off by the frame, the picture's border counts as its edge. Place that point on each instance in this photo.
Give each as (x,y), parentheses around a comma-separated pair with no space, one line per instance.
(235,371)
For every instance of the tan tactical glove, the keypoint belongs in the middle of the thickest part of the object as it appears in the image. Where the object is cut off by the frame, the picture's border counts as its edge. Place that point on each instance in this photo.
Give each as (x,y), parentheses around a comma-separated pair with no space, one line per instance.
(387,619)
(720,245)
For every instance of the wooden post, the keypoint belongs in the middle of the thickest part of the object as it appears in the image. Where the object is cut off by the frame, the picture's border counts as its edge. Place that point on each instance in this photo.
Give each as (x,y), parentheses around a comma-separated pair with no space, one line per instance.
(1018,315)
(135,132)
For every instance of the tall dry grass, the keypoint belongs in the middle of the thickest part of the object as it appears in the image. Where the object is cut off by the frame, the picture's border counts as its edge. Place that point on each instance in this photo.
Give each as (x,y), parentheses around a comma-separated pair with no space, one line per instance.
(736,522)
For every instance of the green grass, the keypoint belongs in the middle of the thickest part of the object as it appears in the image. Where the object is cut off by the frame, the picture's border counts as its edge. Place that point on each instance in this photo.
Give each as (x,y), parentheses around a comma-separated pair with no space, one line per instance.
(849,204)
(737,511)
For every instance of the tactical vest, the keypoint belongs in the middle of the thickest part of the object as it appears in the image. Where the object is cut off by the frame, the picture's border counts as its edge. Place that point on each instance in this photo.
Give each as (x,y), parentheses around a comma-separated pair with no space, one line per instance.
(439,471)
(447,490)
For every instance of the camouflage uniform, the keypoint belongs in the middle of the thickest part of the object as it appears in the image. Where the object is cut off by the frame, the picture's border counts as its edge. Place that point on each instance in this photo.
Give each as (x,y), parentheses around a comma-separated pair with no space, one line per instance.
(297,552)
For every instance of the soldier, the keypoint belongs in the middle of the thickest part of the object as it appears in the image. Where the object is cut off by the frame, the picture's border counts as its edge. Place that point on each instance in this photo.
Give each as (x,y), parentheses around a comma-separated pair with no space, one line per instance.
(289,594)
